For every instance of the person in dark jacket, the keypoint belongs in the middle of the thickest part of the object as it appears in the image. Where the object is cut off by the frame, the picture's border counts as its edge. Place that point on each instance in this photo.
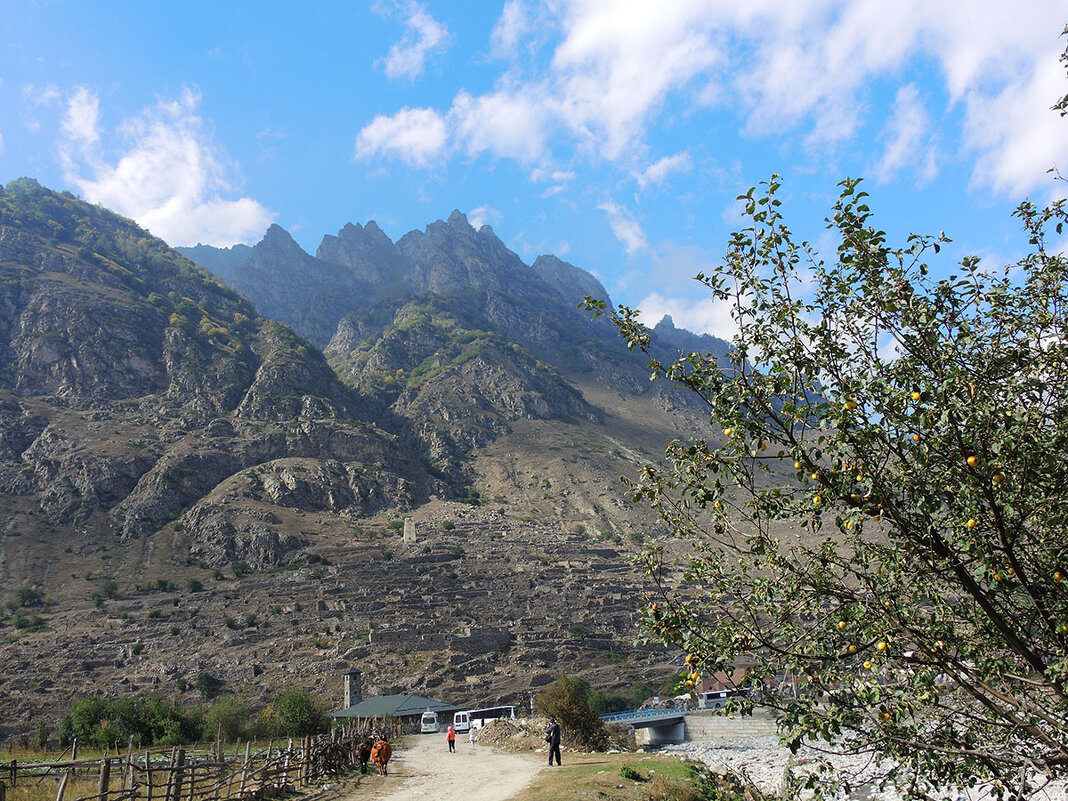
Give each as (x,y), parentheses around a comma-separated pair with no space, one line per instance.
(552,737)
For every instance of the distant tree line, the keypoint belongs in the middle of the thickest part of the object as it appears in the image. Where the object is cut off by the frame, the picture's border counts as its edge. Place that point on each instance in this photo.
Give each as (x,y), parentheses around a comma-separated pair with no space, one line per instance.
(150,720)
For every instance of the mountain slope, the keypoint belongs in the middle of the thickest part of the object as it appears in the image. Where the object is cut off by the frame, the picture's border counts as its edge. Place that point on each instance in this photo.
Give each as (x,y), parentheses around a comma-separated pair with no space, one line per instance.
(189,488)
(130,360)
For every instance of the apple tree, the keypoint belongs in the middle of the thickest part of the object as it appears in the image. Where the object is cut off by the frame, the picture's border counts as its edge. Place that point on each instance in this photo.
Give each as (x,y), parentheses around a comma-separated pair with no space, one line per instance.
(878,521)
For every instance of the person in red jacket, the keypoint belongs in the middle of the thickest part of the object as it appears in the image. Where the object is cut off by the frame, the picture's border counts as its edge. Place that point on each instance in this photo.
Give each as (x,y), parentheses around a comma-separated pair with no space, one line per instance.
(451,737)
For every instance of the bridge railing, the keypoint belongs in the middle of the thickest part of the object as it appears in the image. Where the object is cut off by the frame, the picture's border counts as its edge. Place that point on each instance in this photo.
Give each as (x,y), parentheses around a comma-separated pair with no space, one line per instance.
(641,714)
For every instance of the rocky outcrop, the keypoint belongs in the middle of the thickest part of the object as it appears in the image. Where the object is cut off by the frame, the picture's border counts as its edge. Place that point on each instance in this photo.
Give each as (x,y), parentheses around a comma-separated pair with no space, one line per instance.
(152,384)
(366,251)
(222,536)
(287,284)
(475,397)
(571,283)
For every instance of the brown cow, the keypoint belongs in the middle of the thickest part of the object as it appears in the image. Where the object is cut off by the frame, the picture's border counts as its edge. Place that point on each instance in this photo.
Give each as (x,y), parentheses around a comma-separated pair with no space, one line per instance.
(380,755)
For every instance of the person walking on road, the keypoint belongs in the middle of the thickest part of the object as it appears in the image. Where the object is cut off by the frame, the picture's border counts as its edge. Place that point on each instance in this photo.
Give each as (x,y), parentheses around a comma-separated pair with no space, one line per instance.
(451,737)
(552,737)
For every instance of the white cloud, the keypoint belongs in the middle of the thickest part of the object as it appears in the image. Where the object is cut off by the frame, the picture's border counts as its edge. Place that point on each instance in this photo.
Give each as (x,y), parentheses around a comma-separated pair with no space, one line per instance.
(702,316)
(35,97)
(626,229)
(424,35)
(905,136)
(511,26)
(656,172)
(541,174)
(169,177)
(416,136)
(82,117)
(43,96)
(611,71)
(482,216)
(1015,146)
(503,124)
(618,63)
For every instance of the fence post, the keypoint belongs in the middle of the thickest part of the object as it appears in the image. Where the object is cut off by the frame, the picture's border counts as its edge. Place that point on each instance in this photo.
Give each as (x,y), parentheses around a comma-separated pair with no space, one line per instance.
(229,773)
(167,789)
(244,771)
(148,773)
(105,775)
(62,786)
(179,764)
(128,779)
(3,791)
(285,764)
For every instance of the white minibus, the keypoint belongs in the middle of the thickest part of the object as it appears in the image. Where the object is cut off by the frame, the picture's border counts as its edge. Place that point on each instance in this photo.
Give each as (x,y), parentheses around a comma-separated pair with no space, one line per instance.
(477,718)
(428,724)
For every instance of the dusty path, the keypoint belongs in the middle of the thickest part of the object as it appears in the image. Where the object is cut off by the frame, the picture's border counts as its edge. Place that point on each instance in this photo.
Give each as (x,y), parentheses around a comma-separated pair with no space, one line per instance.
(426,770)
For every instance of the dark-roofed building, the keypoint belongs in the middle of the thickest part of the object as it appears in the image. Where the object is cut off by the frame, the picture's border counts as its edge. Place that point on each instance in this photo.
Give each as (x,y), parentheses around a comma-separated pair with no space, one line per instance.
(395,706)
(406,708)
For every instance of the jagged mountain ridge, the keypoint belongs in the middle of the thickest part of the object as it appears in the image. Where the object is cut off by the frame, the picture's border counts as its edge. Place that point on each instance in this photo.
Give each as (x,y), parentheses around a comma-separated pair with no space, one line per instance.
(384,303)
(155,430)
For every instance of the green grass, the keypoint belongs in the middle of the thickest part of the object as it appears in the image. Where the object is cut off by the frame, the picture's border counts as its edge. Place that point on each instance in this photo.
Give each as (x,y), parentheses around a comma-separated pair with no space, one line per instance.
(604,777)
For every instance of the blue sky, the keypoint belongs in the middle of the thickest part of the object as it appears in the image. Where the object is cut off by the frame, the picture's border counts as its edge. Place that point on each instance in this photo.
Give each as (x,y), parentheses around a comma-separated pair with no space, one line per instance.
(615,134)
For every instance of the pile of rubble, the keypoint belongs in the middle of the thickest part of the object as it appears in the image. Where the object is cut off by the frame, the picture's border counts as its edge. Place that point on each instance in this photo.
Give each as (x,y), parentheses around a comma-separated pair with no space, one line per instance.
(528,734)
(522,734)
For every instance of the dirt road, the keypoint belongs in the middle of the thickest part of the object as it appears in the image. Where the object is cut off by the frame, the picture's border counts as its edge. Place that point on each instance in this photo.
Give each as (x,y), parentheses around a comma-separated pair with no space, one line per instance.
(426,770)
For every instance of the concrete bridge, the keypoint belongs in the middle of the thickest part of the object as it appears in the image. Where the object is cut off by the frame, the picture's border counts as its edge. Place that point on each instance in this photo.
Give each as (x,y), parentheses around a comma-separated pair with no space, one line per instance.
(662,726)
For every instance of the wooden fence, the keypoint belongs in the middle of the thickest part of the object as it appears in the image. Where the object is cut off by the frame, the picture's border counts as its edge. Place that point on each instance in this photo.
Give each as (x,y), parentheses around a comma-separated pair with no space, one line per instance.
(189,774)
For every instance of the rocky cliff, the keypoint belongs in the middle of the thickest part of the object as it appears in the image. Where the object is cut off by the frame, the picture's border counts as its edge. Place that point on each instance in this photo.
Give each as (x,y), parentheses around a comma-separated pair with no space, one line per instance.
(189,487)
(134,382)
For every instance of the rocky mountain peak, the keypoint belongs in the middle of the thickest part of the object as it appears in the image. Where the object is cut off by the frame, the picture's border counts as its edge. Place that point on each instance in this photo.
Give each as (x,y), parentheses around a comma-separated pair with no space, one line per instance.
(458,219)
(278,237)
(364,250)
(363,234)
(570,282)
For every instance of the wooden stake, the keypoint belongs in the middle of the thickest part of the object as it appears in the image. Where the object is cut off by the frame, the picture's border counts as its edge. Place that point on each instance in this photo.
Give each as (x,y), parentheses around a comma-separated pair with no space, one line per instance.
(148,773)
(62,786)
(244,771)
(169,788)
(128,780)
(105,775)
(178,774)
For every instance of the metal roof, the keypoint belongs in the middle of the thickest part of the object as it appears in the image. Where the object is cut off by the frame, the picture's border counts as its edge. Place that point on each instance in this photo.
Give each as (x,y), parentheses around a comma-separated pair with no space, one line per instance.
(397,706)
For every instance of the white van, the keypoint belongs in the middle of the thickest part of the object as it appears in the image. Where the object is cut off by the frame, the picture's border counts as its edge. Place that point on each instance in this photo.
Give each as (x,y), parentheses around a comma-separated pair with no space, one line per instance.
(477,718)
(428,724)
